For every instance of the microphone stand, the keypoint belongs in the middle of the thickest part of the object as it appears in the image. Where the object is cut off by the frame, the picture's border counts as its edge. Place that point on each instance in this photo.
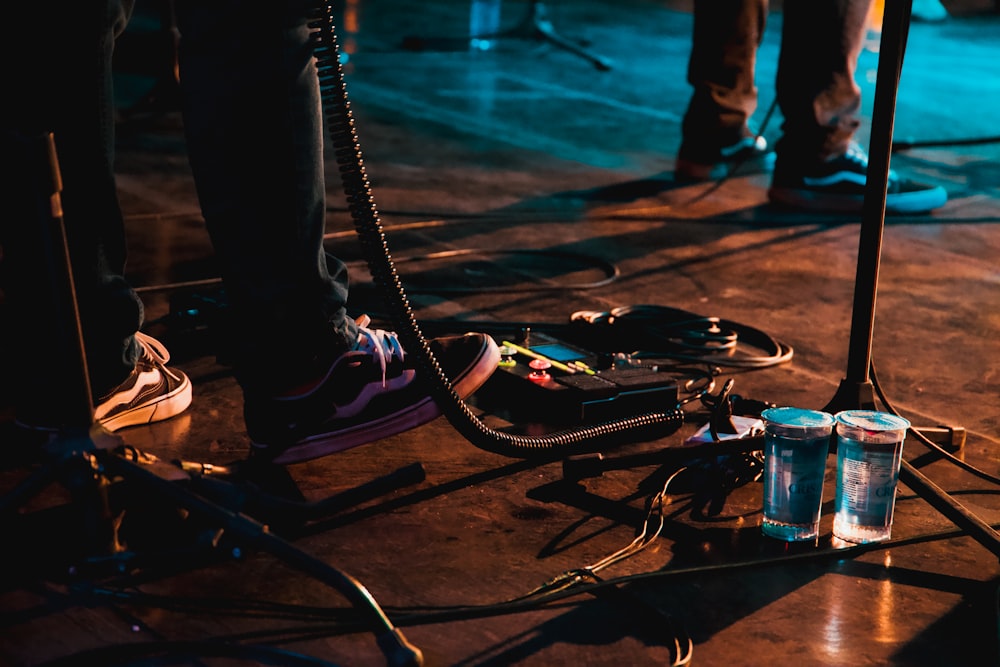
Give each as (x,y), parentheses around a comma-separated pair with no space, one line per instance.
(856,390)
(537,24)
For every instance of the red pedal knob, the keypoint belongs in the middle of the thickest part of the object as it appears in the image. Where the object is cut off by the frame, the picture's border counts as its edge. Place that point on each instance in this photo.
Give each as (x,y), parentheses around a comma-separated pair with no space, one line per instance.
(539,374)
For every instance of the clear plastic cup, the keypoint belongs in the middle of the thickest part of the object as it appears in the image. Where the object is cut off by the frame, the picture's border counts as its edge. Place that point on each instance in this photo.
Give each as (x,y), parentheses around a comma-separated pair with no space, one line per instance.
(796,445)
(869,453)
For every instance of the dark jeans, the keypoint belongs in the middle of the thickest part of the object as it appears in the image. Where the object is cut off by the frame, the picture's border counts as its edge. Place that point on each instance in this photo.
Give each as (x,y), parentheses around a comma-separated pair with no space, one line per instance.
(253,125)
(816,92)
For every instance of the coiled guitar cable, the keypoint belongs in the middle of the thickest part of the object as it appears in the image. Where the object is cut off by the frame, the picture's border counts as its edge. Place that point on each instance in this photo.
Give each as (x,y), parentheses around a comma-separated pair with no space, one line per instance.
(364,213)
(653,331)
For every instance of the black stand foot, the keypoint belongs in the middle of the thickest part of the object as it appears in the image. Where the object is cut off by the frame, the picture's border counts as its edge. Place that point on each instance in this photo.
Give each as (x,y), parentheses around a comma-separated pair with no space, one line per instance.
(852,395)
(535,26)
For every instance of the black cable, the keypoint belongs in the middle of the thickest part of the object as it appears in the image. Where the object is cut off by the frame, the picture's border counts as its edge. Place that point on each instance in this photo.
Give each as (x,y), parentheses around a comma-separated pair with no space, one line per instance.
(139,654)
(430,615)
(735,167)
(960,515)
(652,331)
(364,213)
(951,458)
(943,143)
(610,270)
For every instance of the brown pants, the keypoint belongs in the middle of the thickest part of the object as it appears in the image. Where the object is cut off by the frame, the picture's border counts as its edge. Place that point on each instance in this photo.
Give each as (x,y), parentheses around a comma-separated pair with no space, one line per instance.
(817,95)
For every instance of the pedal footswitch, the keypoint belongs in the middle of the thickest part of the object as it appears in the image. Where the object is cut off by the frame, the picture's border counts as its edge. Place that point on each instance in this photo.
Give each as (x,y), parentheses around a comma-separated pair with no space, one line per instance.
(544,377)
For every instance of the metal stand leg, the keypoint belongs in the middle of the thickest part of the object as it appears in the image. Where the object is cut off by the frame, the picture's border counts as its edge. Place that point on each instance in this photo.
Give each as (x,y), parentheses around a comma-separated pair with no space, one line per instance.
(534,26)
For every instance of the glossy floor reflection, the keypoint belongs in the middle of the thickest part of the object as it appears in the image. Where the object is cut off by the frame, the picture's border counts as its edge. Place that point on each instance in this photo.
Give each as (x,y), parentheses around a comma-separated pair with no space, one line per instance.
(517,186)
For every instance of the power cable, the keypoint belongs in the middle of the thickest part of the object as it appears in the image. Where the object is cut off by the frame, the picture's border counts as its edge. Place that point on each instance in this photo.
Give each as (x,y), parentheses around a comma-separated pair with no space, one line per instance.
(734,169)
(609,269)
(915,431)
(142,654)
(943,143)
(341,621)
(653,331)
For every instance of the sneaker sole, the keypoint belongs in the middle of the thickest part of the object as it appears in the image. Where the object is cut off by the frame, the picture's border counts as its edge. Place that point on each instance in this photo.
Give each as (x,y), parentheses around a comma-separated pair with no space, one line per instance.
(913,203)
(686,171)
(417,414)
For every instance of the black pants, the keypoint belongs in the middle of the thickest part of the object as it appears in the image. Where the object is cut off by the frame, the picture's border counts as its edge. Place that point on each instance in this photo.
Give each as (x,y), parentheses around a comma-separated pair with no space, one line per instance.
(253,126)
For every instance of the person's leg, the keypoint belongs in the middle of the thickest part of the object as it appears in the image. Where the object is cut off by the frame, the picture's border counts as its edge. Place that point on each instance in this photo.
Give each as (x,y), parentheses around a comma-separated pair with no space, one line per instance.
(721,70)
(314,381)
(819,166)
(57,59)
(254,136)
(817,92)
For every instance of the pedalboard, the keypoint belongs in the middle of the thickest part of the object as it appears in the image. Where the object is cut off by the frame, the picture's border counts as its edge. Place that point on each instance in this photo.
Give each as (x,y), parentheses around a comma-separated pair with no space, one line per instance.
(547,379)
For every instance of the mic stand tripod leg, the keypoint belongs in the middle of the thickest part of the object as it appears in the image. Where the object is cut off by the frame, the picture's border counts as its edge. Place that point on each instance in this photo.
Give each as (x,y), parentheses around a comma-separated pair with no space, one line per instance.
(537,24)
(960,515)
(394,645)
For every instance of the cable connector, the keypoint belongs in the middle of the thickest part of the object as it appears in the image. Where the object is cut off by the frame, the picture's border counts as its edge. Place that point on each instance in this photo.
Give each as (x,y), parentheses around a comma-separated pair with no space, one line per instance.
(721,409)
(950,438)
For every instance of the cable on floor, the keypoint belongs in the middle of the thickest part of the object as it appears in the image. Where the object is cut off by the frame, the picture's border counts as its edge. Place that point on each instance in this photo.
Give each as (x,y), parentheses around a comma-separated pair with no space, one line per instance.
(915,431)
(356,186)
(653,331)
(143,654)
(943,143)
(609,269)
(340,621)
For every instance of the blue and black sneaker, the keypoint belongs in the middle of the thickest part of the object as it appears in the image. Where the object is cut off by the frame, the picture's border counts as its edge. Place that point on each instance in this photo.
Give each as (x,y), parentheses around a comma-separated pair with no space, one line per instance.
(749,155)
(838,186)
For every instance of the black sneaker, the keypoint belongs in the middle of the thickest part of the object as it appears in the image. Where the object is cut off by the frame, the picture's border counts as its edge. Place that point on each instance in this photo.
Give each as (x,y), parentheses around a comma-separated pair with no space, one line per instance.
(838,186)
(366,394)
(151,393)
(749,155)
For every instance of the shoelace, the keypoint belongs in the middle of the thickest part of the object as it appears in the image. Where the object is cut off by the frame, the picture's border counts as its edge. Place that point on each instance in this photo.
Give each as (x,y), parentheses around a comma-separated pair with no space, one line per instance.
(857,153)
(382,345)
(152,349)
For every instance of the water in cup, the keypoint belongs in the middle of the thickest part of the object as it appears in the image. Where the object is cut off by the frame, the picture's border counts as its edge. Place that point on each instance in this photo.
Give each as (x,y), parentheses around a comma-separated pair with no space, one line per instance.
(796,445)
(869,453)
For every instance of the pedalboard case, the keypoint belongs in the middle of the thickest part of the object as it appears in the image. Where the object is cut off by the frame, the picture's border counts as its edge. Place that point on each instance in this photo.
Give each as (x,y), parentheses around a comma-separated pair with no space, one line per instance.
(546,379)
